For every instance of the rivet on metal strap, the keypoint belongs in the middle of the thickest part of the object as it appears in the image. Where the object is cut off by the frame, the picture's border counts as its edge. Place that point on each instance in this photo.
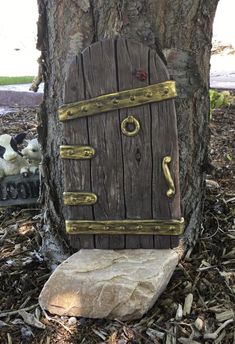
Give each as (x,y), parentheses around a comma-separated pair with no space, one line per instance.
(149,94)
(84,108)
(116,101)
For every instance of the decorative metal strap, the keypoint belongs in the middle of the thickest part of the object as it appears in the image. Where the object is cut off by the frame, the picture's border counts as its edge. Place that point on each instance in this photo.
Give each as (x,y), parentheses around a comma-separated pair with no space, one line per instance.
(77,152)
(160,227)
(79,198)
(119,100)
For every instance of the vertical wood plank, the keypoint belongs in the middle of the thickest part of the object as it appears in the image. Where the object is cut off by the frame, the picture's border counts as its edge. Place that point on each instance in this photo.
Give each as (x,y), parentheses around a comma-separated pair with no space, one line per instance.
(77,172)
(137,155)
(104,133)
(164,142)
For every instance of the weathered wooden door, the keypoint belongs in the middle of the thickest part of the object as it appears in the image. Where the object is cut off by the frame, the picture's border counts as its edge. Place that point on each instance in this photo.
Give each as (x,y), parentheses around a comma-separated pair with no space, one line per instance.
(120,149)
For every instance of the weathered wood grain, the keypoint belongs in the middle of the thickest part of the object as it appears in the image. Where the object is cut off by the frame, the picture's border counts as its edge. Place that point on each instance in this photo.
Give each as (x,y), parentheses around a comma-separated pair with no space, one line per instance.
(77,172)
(164,143)
(126,172)
(137,156)
(104,133)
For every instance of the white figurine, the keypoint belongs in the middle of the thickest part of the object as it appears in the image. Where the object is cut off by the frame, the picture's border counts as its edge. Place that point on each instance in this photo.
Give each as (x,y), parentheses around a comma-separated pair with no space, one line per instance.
(32,153)
(11,159)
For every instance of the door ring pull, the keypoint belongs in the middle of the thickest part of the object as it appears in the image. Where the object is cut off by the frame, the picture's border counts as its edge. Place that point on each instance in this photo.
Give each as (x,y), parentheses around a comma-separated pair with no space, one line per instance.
(171,187)
(134,122)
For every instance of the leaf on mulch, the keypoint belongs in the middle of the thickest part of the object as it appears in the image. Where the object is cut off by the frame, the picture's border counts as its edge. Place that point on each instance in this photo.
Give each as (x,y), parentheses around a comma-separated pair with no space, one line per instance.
(31,320)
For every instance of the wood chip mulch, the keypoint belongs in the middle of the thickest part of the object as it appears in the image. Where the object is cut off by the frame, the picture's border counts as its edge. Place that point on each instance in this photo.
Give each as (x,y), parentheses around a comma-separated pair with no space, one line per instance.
(198,304)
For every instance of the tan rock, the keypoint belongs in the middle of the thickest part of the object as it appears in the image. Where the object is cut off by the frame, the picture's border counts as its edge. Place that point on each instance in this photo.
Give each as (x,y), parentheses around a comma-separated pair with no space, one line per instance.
(108,284)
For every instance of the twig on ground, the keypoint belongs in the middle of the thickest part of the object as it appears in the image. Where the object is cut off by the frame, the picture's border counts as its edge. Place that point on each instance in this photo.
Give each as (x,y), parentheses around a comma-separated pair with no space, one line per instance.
(188,304)
(25,302)
(215,334)
(134,331)
(3,237)
(9,339)
(230,200)
(55,320)
(14,255)
(5,314)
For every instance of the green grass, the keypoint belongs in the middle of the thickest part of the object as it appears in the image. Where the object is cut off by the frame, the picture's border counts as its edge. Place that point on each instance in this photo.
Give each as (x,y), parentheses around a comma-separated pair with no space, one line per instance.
(219,100)
(12,80)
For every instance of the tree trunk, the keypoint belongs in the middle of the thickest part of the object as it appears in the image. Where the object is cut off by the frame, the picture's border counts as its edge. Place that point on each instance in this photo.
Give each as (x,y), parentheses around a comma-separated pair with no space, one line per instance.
(180,31)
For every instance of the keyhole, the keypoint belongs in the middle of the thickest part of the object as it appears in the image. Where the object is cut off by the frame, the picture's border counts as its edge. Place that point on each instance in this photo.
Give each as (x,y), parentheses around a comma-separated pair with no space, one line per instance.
(138,155)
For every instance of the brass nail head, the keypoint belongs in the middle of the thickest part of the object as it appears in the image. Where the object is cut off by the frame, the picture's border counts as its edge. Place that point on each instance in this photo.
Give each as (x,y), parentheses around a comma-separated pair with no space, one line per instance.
(84,108)
(115,101)
(139,227)
(70,152)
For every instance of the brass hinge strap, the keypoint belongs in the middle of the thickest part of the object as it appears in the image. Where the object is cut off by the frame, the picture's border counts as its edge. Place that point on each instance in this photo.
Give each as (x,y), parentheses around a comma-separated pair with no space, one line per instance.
(124,99)
(76,152)
(79,198)
(160,227)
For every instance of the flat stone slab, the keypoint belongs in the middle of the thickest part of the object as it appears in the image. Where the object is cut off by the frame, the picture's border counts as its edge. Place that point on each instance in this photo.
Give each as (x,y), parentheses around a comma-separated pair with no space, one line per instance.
(121,284)
(17,98)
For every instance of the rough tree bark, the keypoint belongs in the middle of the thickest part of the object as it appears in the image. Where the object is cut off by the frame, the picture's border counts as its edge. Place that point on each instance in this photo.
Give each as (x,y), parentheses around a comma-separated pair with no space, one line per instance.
(180,31)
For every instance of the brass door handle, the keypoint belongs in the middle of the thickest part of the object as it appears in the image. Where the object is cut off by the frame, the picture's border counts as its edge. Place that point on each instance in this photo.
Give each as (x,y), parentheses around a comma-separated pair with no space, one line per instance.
(171,187)
(130,120)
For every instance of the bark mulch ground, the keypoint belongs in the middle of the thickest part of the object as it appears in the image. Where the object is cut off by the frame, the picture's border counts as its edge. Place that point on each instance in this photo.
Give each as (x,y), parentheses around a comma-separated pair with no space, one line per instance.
(198,304)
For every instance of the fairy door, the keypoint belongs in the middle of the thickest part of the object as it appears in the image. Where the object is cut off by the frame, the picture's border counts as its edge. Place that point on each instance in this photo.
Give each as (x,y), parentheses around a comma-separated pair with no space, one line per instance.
(120,149)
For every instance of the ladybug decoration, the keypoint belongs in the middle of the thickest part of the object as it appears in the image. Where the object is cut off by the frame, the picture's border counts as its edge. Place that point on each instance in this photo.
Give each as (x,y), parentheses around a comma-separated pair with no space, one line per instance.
(141,74)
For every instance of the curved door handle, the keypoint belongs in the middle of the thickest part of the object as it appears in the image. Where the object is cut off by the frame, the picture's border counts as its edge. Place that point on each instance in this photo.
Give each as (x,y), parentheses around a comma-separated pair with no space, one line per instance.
(171,187)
